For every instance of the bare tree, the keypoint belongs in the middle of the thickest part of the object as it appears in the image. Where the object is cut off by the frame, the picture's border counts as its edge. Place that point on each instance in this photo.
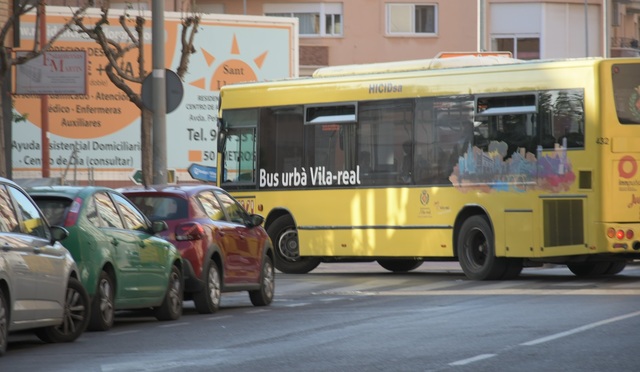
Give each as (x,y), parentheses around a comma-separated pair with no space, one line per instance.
(8,60)
(115,51)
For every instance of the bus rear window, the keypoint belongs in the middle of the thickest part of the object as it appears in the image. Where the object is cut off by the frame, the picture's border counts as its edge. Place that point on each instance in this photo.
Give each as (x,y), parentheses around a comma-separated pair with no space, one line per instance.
(626,92)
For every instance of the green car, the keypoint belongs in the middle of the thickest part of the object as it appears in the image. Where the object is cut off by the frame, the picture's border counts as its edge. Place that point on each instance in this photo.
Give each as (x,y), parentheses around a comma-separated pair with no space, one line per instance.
(122,264)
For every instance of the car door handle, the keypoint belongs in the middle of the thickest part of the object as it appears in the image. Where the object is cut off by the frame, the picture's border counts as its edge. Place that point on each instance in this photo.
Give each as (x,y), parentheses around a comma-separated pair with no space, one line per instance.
(141,244)
(37,250)
(114,242)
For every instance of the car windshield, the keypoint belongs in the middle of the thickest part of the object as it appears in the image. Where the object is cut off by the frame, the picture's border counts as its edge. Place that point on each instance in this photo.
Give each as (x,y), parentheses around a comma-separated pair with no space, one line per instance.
(161,207)
(55,209)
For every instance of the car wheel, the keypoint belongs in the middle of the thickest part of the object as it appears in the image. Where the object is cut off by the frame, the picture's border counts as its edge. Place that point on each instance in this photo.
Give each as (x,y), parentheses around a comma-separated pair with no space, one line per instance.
(171,307)
(284,235)
(4,322)
(74,319)
(399,266)
(207,301)
(264,295)
(102,308)
(476,251)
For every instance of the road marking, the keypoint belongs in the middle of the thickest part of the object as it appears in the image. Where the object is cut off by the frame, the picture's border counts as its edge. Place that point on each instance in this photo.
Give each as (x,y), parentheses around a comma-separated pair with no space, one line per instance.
(580,329)
(491,292)
(219,317)
(296,304)
(122,333)
(256,311)
(176,324)
(471,360)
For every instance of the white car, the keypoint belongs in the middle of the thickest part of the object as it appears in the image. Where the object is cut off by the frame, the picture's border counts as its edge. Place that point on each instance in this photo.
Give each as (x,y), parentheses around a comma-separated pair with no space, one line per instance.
(39,286)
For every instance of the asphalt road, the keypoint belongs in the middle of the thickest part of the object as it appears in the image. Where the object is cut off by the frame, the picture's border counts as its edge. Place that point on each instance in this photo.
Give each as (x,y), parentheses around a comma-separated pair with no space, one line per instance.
(359,317)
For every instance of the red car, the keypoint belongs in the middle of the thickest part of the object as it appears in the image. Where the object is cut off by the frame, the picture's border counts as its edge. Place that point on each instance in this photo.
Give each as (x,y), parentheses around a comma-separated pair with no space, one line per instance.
(223,247)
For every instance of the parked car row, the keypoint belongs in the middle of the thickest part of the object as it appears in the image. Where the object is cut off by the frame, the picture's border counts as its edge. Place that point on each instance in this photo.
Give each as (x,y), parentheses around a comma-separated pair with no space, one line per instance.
(72,256)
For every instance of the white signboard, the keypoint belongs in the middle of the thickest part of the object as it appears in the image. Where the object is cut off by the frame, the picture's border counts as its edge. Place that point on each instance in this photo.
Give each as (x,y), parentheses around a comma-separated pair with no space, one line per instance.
(53,72)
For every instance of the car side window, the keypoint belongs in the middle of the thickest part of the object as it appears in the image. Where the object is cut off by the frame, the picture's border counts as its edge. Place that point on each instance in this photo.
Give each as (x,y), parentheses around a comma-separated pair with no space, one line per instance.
(92,213)
(8,219)
(31,220)
(235,211)
(211,206)
(107,210)
(133,219)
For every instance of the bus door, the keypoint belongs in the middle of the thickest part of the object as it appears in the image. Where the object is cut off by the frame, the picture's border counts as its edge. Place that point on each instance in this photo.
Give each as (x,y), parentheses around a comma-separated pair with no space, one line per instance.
(240,159)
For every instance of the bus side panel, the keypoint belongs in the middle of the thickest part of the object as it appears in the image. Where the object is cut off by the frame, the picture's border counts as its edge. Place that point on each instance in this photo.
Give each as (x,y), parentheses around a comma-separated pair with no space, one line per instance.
(378,242)
(518,231)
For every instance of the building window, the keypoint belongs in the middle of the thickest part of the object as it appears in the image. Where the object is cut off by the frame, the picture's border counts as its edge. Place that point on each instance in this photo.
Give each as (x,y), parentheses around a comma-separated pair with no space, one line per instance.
(520,47)
(314,19)
(128,5)
(210,8)
(406,19)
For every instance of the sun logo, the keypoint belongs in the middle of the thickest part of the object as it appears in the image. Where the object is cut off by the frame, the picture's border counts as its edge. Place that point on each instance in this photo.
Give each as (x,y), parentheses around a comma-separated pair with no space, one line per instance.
(230,71)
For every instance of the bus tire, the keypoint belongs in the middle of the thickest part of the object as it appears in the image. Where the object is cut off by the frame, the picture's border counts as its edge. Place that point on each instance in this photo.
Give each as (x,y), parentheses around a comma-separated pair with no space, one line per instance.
(476,250)
(514,268)
(400,266)
(589,269)
(616,267)
(284,235)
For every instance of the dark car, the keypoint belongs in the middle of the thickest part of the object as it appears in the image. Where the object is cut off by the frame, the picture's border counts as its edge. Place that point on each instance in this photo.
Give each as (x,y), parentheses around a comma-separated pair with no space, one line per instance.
(223,247)
(123,264)
(39,286)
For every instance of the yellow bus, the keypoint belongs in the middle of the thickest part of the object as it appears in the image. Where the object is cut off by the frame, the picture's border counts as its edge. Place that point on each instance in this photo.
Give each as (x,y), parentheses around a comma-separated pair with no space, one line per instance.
(493,162)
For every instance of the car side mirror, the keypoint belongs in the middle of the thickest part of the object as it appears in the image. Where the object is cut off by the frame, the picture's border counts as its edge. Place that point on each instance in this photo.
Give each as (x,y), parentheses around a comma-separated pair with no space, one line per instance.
(255,220)
(159,226)
(58,234)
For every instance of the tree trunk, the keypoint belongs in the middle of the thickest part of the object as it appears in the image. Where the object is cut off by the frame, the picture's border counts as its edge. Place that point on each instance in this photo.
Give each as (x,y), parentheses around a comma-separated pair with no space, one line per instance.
(3,152)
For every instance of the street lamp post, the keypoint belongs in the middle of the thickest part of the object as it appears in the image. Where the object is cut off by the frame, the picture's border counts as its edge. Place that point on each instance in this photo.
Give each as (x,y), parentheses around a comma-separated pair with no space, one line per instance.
(159,96)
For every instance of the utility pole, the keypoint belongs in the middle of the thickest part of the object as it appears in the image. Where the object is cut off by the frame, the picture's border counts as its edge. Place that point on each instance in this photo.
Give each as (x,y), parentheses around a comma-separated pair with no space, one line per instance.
(44,100)
(482,19)
(159,96)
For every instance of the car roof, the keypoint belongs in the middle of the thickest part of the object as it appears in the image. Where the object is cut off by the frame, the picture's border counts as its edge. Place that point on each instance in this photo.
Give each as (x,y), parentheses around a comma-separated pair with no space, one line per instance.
(66,191)
(6,180)
(180,189)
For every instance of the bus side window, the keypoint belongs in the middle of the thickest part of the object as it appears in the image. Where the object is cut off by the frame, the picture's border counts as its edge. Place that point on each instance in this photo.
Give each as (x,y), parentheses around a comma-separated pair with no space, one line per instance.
(562,117)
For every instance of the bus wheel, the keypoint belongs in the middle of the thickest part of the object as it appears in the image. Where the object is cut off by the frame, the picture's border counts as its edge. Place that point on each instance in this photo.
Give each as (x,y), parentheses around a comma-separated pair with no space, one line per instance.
(284,236)
(514,268)
(476,251)
(400,266)
(589,268)
(616,267)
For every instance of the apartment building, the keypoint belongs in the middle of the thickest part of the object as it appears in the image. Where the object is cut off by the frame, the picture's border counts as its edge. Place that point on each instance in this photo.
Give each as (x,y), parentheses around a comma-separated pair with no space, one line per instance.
(362,31)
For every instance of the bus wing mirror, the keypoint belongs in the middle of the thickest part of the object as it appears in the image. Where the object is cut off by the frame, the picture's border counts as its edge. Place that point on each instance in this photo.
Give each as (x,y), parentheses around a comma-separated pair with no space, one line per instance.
(222,136)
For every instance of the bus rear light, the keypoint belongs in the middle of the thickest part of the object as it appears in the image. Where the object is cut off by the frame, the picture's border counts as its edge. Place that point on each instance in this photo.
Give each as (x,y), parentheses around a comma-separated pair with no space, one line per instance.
(629,234)
(620,245)
(611,232)
(620,234)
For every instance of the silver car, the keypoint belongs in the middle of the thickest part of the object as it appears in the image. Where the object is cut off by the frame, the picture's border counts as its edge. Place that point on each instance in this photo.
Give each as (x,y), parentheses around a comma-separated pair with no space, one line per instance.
(39,286)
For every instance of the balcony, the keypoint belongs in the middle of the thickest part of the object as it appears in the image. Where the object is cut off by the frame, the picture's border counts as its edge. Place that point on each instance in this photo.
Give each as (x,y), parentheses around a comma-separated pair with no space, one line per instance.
(624,47)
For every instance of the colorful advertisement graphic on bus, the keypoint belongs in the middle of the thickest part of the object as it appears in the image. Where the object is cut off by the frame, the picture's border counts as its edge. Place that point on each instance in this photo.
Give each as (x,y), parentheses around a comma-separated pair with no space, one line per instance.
(489,171)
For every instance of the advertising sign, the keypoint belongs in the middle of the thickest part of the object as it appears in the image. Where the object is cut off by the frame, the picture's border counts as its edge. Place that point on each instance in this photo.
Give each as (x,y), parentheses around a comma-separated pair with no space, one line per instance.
(104,126)
(58,72)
